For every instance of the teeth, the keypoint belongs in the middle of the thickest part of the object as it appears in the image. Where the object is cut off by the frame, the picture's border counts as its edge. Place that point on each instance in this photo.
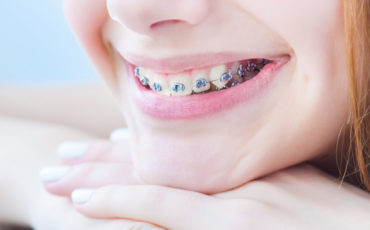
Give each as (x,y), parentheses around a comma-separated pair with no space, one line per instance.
(144,80)
(200,81)
(226,77)
(157,87)
(180,85)
(159,84)
(217,78)
(142,75)
(216,74)
(234,67)
(241,71)
(137,71)
(251,66)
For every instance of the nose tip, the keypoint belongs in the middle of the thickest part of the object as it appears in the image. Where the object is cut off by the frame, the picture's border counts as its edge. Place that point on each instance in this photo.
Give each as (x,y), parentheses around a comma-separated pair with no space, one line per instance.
(144,16)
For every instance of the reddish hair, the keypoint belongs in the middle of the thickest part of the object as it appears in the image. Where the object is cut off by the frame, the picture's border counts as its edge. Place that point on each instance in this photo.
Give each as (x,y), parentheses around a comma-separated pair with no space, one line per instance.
(357,34)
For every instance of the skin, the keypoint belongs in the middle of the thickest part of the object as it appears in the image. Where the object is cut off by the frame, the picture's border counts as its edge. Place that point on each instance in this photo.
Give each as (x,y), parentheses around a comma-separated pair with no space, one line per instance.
(306,104)
(308,94)
(288,199)
(54,105)
(22,194)
(274,198)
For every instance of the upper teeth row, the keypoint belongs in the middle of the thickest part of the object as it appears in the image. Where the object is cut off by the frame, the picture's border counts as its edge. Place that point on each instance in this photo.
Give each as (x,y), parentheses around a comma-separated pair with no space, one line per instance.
(199,81)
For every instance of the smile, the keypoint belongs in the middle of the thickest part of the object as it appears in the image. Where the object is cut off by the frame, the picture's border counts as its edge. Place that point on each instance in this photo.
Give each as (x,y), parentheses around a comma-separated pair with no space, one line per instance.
(205,80)
(194,93)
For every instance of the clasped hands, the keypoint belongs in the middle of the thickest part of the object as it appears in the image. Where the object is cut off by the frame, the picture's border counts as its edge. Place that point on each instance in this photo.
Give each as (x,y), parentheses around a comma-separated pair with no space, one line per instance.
(103,185)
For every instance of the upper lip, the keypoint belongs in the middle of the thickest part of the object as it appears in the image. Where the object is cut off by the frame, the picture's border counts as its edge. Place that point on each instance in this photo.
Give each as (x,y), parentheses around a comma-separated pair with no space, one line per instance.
(179,64)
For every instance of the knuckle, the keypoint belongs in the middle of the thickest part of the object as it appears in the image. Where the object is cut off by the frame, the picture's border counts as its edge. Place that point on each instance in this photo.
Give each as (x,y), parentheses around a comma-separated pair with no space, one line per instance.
(82,170)
(111,191)
(84,167)
(98,149)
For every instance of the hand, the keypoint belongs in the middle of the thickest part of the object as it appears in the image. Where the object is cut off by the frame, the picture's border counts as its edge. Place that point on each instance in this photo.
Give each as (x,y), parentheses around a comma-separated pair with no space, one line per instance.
(55,213)
(91,165)
(58,213)
(25,147)
(297,198)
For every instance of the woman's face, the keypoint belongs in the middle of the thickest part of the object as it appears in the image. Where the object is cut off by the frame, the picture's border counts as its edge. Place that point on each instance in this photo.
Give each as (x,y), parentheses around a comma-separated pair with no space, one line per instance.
(287,110)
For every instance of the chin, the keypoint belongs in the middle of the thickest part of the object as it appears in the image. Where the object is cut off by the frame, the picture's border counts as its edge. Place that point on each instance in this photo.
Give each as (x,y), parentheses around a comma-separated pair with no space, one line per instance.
(185,164)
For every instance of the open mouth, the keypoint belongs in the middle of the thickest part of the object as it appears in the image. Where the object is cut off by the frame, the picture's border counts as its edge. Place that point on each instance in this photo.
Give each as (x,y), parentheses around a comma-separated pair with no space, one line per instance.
(219,77)
(200,92)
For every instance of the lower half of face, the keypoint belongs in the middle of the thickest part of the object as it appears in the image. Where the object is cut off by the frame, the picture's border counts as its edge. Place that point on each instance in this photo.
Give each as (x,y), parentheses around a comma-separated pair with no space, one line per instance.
(232,91)
(289,119)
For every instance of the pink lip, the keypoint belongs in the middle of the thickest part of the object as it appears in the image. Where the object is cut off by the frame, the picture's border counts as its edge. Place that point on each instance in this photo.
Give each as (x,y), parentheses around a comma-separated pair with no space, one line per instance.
(183,63)
(199,105)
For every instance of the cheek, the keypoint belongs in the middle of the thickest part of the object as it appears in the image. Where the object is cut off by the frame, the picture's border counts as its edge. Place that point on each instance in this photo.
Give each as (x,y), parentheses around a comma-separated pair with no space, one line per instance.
(87,18)
(314,107)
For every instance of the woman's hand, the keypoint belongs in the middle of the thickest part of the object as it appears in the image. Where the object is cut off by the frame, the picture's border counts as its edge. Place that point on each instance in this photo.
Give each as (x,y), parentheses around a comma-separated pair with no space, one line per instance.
(55,213)
(302,197)
(91,165)
(24,147)
(297,198)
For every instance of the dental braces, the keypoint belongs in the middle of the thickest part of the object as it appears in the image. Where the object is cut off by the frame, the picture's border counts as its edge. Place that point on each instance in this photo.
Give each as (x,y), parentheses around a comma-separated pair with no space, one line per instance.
(226,77)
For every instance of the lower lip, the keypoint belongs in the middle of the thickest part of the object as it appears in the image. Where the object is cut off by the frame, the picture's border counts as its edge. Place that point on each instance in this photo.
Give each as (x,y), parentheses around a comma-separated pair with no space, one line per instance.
(196,106)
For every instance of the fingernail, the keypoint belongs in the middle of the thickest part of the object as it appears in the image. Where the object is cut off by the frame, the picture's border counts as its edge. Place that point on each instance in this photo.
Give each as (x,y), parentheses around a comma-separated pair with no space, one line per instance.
(120,134)
(53,173)
(81,196)
(71,150)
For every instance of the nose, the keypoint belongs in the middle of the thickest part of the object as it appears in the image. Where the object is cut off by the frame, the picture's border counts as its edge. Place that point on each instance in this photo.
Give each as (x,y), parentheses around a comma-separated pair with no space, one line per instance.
(143,16)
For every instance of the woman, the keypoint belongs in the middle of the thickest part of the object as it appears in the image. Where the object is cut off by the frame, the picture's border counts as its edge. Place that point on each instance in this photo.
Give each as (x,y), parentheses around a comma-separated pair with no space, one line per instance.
(218,95)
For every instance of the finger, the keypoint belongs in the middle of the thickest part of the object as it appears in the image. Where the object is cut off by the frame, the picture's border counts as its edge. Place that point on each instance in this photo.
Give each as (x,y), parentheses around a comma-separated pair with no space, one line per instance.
(57,214)
(62,180)
(120,135)
(101,150)
(78,222)
(167,207)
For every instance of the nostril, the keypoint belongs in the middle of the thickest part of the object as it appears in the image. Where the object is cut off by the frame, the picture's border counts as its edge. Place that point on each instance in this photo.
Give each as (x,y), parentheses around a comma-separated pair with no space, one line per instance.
(164,23)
